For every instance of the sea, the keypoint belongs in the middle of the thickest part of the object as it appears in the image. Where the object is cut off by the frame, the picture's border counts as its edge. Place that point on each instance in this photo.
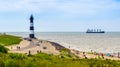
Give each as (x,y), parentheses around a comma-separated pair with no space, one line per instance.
(98,42)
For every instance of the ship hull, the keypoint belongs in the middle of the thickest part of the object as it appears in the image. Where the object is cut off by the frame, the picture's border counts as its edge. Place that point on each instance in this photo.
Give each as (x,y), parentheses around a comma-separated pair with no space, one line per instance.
(95,32)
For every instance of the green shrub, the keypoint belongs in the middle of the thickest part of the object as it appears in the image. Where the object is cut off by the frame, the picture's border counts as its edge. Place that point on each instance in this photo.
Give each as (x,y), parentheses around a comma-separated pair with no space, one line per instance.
(3,49)
(2,64)
(17,56)
(12,63)
(43,56)
(29,64)
(65,53)
(46,60)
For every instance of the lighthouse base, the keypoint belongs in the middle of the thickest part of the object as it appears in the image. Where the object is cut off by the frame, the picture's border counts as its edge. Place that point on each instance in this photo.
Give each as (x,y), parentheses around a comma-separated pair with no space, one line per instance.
(31,36)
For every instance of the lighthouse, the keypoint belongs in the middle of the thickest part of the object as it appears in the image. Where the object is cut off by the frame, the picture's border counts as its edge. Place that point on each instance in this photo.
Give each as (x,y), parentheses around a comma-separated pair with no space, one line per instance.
(31,35)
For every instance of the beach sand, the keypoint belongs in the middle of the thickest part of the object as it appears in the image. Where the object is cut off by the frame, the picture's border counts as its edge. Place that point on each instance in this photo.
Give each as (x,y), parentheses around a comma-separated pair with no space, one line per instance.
(35,46)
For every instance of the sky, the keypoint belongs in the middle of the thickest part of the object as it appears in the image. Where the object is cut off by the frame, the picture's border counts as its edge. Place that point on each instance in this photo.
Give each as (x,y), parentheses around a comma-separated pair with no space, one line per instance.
(60,15)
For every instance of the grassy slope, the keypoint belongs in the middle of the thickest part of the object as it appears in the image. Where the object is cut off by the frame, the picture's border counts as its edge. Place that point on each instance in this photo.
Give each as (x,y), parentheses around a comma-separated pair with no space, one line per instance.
(45,60)
(49,60)
(3,49)
(9,40)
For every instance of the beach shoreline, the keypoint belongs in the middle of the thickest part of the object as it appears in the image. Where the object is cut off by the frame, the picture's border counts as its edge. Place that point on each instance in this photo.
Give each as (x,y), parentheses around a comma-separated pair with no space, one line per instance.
(51,47)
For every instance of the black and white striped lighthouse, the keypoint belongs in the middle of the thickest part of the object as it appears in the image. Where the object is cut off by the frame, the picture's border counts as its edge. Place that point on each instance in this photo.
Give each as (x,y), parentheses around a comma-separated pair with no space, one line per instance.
(31,35)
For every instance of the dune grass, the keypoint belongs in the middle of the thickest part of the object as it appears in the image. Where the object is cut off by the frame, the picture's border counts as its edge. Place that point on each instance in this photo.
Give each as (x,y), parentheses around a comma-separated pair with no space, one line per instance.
(48,60)
(3,49)
(9,40)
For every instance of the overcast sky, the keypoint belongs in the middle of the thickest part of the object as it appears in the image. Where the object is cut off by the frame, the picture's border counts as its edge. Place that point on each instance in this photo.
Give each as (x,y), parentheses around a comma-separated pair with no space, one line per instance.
(59,15)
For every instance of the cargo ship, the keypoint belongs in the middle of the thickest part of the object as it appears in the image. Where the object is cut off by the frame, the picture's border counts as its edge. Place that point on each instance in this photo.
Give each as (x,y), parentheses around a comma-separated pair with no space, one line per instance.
(94,31)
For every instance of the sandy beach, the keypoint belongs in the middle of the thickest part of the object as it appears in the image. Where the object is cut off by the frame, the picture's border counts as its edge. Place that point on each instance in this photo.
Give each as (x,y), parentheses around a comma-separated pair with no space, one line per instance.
(35,46)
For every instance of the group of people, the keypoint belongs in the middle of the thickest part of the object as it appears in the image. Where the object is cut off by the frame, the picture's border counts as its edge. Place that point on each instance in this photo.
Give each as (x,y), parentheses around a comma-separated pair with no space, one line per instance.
(29,52)
(99,55)
(84,55)
(102,55)
(18,47)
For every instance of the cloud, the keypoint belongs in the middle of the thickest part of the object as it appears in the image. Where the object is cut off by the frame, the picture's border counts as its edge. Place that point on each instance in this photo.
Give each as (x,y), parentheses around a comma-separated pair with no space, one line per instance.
(89,7)
(25,5)
(66,10)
